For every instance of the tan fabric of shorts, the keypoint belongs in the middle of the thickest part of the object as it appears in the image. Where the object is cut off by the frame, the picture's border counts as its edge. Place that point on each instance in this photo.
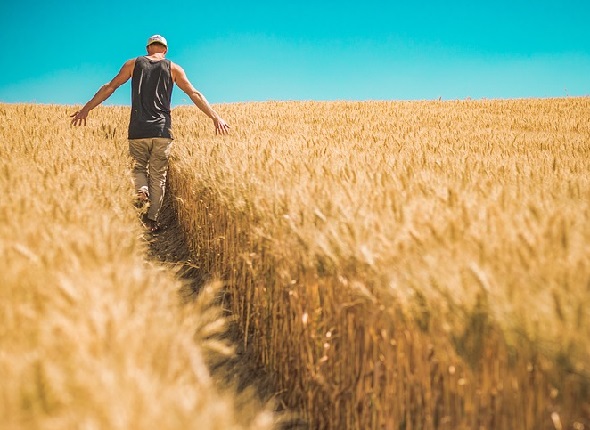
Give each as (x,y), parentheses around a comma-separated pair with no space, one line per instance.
(150,169)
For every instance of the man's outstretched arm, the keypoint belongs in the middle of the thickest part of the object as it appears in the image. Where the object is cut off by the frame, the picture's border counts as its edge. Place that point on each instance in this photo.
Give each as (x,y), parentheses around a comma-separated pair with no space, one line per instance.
(198,99)
(104,92)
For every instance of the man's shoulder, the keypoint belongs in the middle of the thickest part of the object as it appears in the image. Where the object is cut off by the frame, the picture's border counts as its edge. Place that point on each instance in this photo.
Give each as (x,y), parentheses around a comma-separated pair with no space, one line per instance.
(131,62)
(175,67)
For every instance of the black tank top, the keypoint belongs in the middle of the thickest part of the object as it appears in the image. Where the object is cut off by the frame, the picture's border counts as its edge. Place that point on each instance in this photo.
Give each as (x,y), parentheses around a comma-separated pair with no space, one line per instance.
(151,91)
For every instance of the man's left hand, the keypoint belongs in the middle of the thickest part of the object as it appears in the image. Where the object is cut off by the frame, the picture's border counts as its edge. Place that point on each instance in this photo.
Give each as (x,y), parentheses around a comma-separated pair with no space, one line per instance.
(221,127)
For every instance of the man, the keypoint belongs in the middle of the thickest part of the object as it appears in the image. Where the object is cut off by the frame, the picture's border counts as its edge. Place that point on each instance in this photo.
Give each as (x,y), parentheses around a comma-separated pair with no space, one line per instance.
(150,137)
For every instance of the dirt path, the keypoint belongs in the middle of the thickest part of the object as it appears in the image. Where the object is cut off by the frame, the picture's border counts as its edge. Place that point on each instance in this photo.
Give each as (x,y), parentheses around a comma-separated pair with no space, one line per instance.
(240,371)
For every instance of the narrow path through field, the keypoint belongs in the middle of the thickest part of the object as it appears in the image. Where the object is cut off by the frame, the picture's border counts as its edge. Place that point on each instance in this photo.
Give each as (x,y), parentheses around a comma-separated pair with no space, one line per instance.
(168,246)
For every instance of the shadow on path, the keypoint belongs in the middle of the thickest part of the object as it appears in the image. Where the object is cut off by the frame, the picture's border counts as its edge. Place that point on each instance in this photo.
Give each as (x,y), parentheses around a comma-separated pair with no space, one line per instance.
(241,370)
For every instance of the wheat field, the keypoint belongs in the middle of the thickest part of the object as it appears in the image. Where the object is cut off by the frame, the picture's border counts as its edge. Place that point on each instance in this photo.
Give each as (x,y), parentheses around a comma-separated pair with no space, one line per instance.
(92,334)
(395,265)
(404,265)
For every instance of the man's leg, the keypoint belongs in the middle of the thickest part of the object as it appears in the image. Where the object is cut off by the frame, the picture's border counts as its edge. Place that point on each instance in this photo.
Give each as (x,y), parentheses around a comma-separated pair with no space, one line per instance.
(140,149)
(158,170)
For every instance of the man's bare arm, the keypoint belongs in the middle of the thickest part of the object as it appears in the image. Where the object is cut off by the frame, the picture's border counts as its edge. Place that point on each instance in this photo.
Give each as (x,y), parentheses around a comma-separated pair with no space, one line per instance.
(198,99)
(104,92)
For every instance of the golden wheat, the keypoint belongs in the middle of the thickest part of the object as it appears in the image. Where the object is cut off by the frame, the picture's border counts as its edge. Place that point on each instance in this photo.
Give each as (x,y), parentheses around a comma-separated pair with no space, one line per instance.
(416,265)
(403,264)
(91,334)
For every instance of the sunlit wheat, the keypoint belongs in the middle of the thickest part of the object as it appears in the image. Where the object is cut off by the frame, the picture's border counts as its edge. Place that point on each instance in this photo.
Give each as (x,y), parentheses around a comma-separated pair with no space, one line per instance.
(91,334)
(403,264)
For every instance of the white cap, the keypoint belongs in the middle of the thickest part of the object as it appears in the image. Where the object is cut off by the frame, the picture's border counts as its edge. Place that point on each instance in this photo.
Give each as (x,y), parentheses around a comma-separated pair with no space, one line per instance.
(156,38)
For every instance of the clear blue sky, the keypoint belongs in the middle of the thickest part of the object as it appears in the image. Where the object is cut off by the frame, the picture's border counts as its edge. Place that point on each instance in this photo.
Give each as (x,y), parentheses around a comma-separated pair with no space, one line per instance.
(61,52)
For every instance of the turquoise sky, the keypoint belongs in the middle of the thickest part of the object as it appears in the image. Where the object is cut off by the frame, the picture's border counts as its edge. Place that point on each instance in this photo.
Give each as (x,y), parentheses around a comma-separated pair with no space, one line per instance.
(61,52)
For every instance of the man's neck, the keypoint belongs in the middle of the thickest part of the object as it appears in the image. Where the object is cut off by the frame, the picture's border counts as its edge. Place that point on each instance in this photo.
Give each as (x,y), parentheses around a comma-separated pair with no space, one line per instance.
(157,56)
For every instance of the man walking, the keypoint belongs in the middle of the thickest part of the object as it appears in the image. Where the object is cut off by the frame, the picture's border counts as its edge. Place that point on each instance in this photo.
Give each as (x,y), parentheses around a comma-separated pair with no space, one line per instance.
(150,137)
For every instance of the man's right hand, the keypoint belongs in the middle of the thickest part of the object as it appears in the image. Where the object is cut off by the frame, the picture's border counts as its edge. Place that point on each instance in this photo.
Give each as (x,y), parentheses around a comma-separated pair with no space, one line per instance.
(79,117)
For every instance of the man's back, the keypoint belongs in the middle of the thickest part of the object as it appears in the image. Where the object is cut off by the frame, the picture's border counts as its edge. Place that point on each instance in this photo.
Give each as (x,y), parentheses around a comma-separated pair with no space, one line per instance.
(151,93)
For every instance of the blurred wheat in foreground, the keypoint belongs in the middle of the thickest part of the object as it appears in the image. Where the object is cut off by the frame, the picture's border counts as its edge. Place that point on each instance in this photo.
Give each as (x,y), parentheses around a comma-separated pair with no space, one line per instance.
(91,335)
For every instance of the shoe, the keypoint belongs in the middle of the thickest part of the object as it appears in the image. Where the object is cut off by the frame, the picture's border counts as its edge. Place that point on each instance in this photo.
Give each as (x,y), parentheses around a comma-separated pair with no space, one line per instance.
(153,226)
(141,199)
